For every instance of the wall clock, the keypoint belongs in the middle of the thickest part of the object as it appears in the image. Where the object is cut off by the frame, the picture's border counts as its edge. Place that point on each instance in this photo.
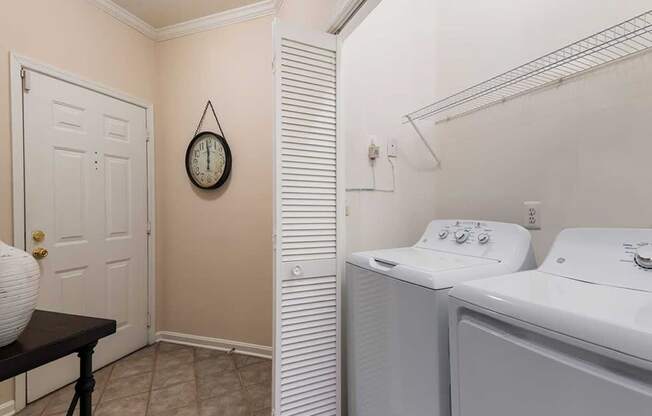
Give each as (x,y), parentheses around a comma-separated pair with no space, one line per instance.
(208,160)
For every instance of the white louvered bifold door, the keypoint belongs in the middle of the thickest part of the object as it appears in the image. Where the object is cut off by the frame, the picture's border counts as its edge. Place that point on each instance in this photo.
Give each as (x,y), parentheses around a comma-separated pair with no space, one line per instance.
(308,217)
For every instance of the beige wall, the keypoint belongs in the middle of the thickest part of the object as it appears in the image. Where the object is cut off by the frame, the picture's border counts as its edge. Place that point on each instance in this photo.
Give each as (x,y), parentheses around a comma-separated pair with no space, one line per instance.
(74,36)
(215,247)
(230,259)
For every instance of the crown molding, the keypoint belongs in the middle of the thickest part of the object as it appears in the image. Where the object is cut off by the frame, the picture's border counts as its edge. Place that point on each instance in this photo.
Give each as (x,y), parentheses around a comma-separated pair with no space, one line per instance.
(126,17)
(213,21)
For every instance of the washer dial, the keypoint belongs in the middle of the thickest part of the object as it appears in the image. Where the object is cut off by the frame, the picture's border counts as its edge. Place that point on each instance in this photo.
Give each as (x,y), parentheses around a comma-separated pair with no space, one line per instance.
(483,238)
(461,236)
(643,257)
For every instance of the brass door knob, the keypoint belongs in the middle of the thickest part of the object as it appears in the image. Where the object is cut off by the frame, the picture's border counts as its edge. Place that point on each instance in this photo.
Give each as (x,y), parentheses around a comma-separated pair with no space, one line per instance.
(38,236)
(39,252)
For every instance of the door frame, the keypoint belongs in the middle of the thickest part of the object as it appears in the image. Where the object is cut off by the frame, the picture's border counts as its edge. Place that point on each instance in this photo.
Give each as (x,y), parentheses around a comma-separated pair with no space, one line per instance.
(17,64)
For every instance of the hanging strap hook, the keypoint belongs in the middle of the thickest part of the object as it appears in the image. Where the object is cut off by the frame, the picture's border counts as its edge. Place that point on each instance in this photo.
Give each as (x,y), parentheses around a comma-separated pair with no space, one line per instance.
(201,121)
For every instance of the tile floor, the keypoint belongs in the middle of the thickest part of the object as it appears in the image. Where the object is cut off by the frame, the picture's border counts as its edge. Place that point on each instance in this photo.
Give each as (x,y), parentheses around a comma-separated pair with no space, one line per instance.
(173,380)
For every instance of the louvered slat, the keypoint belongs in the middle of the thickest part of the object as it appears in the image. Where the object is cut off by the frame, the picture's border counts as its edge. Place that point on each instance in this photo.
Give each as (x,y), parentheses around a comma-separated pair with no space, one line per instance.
(306,225)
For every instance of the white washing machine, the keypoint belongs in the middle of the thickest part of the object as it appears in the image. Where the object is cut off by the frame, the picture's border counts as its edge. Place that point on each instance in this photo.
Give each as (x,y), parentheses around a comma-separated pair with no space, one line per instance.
(397,316)
(571,338)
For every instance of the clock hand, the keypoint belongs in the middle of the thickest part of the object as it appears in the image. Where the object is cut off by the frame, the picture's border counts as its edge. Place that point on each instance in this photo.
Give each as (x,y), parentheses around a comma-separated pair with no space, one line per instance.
(208,157)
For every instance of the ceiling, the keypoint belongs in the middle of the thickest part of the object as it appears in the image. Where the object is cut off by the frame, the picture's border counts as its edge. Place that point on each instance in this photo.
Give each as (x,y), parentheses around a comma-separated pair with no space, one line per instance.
(161,13)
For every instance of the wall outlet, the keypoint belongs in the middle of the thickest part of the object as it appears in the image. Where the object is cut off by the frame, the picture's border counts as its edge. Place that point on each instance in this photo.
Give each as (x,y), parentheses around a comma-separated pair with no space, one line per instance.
(532,215)
(374,151)
(392,147)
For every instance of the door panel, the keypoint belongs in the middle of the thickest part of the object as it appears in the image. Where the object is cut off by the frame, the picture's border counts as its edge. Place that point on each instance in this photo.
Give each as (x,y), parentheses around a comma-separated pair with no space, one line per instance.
(505,371)
(86,188)
(307,204)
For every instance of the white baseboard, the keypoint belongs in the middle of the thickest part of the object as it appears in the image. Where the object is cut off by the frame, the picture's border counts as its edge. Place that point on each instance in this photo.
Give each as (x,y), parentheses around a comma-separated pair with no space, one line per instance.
(214,343)
(7,408)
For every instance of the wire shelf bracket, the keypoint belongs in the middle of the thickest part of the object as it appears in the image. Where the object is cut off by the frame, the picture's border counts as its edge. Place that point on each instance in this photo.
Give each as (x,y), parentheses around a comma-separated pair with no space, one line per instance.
(624,40)
(423,139)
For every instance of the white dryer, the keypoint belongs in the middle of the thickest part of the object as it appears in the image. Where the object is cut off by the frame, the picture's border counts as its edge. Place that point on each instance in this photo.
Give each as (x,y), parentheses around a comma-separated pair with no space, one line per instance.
(571,338)
(397,318)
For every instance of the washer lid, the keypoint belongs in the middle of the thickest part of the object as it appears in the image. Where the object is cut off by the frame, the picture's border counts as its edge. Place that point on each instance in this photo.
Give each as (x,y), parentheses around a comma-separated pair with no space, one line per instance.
(424,267)
(615,318)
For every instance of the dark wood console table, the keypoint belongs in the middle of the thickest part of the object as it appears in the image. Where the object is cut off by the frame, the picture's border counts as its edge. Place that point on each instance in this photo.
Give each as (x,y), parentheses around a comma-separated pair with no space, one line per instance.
(50,336)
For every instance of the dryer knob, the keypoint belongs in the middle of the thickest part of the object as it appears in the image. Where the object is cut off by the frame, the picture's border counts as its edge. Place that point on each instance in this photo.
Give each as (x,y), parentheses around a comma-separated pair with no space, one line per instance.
(461,236)
(443,234)
(643,257)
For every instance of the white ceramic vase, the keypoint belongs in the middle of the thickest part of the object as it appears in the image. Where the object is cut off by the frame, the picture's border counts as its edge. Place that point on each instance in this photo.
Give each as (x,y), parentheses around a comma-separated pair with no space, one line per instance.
(19,281)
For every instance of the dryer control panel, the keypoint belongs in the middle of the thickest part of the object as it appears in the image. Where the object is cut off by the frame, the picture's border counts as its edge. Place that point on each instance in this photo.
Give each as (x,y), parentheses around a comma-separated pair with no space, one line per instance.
(486,239)
(620,257)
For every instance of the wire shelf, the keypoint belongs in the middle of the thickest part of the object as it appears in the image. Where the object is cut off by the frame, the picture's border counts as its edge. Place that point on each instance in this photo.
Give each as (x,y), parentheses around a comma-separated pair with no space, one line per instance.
(616,43)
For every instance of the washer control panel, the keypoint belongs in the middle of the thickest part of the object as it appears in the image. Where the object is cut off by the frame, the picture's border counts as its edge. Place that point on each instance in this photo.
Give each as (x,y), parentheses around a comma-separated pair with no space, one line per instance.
(465,232)
(487,239)
(620,257)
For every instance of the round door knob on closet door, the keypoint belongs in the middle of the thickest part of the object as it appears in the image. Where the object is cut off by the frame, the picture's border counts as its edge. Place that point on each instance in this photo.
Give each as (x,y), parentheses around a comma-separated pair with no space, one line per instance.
(297,271)
(483,238)
(643,257)
(443,234)
(461,236)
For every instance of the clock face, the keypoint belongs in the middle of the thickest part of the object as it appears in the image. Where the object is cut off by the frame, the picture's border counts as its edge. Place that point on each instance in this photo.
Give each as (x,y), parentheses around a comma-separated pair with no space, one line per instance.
(208,160)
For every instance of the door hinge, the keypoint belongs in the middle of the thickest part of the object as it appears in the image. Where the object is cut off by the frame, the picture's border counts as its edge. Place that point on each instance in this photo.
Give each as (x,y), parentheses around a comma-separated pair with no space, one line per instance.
(149,228)
(27,80)
(274,64)
(149,320)
(148,136)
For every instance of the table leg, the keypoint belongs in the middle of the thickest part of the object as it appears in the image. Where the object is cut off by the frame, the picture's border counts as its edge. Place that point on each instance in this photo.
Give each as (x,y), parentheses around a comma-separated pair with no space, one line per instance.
(86,382)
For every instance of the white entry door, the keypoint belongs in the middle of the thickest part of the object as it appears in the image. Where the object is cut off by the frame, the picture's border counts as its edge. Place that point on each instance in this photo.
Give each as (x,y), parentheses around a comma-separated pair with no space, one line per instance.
(308,224)
(86,190)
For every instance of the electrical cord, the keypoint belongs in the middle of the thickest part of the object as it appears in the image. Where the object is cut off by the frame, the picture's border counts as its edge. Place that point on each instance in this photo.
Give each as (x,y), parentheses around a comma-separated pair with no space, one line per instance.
(373,178)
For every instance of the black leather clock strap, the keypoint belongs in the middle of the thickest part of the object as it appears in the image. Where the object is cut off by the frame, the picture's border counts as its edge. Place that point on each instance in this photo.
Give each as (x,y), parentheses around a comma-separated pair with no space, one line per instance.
(201,121)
